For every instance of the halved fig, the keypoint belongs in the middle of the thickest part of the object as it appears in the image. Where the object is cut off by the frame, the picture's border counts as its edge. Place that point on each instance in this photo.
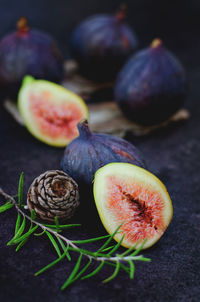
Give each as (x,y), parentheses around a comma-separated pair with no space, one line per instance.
(50,112)
(129,195)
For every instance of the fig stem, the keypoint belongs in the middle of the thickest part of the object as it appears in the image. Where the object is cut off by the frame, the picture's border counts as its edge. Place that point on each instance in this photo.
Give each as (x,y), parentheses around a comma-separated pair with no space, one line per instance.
(22,25)
(156,43)
(84,130)
(121,13)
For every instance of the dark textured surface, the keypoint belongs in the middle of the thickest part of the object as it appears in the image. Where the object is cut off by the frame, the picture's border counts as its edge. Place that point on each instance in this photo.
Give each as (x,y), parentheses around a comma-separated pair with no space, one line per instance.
(172,154)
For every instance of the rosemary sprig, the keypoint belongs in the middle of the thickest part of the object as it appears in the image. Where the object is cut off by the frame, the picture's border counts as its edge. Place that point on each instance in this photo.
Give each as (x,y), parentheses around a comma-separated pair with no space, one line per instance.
(105,255)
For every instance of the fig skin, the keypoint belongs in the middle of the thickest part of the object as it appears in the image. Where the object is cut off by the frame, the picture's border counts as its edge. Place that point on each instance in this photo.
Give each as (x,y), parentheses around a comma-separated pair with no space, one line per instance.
(151,86)
(90,151)
(101,45)
(28,51)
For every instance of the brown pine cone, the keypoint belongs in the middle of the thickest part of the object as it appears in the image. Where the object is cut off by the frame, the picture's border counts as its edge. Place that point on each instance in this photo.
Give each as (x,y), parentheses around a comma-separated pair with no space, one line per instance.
(53,193)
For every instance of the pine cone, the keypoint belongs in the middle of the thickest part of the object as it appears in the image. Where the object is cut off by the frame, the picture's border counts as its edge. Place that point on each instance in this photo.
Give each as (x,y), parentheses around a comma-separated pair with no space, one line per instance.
(53,193)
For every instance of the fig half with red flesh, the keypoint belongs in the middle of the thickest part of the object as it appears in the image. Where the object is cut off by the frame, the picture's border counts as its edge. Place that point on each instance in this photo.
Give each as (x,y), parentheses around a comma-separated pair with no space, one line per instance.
(129,195)
(50,112)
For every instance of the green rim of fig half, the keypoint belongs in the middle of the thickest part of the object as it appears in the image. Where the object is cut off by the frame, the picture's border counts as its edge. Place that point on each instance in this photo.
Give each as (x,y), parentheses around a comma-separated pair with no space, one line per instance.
(134,198)
(50,112)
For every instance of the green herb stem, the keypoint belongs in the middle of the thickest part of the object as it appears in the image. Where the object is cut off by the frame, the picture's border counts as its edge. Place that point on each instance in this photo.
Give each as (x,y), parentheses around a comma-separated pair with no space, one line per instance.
(105,255)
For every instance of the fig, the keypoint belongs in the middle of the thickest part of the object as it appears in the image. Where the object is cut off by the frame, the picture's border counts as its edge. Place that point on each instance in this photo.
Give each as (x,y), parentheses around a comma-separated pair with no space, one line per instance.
(50,112)
(28,51)
(90,151)
(101,44)
(130,195)
(151,86)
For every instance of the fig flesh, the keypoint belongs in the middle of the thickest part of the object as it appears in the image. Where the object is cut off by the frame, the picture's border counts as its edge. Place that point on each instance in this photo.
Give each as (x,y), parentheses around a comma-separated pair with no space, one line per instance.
(50,112)
(101,44)
(90,151)
(151,86)
(129,195)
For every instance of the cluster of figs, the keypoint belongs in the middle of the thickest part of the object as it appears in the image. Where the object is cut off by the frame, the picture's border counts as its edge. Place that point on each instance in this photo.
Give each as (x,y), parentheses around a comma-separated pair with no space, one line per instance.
(150,86)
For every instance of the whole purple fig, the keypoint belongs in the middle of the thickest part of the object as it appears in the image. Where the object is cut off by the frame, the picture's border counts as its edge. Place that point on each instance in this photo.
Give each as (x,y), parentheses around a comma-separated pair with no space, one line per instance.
(151,86)
(90,151)
(28,51)
(101,44)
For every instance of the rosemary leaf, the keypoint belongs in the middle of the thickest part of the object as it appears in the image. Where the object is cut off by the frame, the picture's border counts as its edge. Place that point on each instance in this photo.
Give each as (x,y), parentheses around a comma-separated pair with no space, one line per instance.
(17,223)
(134,248)
(116,271)
(108,248)
(99,267)
(40,234)
(128,251)
(81,272)
(33,214)
(19,232)
(116,246)
(73,273)
(55,245)
(141,258)
(101,255)
(126,269)
(90,240)
(83,251)
(8,205)
(132,269)
(20,189)
(89,253)
(64,248)
(51,264)
(21,244)
(27,234)
(109,239)
(62,226)
(139,249)
(56,223)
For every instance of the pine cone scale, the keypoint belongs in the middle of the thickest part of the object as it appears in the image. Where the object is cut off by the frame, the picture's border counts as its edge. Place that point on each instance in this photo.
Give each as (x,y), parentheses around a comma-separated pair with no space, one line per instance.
(42,202)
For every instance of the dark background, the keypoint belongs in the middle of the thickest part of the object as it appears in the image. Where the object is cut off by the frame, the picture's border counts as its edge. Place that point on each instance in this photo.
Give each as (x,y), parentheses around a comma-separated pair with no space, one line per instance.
(172,154)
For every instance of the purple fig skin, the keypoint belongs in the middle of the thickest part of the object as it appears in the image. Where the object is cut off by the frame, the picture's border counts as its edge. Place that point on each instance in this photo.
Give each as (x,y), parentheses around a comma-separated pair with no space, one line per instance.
(101,45)
(151,86)
(28,51)
(90,151)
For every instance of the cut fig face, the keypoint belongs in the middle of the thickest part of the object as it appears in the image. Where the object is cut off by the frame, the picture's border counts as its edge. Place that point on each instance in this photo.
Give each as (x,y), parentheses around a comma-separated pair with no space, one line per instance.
(50,112)
(129,195)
